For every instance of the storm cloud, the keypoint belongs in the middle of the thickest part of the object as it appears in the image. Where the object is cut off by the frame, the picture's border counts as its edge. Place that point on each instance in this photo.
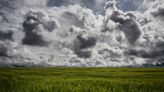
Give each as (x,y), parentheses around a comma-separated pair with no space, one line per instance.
(97,33)
(34,26)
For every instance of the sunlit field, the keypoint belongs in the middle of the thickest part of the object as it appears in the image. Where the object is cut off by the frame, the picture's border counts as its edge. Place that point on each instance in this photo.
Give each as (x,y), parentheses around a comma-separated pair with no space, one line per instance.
(81,79)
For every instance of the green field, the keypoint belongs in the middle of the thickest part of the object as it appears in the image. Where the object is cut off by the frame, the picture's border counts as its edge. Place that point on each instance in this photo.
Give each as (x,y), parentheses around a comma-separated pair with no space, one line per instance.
(81,79)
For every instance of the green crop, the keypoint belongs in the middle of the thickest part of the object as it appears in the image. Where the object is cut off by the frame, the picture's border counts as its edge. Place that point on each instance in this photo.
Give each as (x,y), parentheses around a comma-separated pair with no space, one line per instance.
(81,79)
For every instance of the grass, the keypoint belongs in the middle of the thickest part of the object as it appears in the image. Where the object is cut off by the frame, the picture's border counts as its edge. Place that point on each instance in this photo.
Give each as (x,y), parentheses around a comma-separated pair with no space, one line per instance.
(81,79)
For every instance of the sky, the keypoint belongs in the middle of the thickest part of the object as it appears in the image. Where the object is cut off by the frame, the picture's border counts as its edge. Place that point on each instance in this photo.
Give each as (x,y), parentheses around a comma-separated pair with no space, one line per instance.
(82,33)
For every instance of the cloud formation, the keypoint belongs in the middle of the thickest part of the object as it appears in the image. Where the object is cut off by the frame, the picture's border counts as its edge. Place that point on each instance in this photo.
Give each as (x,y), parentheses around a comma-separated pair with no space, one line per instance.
(35,26)
(95,33)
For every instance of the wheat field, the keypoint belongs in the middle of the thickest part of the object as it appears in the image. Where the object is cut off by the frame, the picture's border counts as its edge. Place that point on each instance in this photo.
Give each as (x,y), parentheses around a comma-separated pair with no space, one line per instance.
(81,79)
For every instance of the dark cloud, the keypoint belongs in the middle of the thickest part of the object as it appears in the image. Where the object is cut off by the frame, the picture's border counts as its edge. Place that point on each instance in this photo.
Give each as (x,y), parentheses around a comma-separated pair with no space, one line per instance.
(83,53)
(6,48)
(128,25)
(3,51)
(125,22)
(31,37)
(86,42)
(153,54)
(34,25)
(159,12)
(82,45)
(6,35)
(50,25)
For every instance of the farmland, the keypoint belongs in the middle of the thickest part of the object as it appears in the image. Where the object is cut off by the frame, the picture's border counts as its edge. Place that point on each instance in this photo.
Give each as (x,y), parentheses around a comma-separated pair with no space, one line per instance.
(81,79)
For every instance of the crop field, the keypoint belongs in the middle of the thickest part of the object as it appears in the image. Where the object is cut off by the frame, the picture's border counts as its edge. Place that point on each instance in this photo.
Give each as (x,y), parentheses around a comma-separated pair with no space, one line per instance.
(81,79)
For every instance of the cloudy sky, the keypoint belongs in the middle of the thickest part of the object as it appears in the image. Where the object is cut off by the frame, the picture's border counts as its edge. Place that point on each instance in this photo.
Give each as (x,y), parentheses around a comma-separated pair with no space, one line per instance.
(91,33)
